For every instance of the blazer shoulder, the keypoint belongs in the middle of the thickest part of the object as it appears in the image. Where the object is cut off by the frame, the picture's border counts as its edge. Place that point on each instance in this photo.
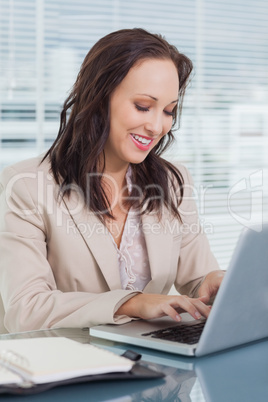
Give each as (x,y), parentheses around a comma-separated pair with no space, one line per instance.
(185,175)
(184,171)
(27,166)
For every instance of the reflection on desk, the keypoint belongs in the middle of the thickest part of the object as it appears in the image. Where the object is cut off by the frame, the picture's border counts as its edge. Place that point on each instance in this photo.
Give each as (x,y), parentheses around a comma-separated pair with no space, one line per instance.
(237,375)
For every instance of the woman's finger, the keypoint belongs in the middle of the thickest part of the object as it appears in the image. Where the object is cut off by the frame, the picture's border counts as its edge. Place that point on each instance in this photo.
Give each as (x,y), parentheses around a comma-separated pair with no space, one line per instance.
(171,312)
(202,308)
(192,306)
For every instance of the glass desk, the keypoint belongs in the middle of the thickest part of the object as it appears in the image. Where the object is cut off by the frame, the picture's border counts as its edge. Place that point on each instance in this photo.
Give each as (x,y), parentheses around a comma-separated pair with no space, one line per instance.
(238,375)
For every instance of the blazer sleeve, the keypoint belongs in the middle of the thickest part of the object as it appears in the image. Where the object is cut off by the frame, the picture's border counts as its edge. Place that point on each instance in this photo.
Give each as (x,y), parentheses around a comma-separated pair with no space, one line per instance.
(196,258)
(28,288)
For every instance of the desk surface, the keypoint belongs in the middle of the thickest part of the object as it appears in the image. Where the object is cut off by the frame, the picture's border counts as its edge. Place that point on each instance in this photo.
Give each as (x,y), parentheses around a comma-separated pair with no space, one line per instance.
(238,375)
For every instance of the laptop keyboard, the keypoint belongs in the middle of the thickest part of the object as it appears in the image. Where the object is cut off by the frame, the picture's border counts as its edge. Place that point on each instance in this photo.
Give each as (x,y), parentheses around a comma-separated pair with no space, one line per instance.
(189,334)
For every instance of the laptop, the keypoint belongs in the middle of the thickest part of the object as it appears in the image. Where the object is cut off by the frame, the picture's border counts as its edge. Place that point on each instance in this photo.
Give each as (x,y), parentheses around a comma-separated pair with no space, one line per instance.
(238,315)
(236,375)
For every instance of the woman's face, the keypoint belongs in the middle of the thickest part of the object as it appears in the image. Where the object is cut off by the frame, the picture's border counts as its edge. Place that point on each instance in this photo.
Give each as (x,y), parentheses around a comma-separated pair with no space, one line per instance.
(141,110)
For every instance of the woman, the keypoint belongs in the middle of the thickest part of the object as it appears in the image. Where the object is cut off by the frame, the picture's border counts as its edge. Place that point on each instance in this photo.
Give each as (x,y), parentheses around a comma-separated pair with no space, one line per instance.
(100,228)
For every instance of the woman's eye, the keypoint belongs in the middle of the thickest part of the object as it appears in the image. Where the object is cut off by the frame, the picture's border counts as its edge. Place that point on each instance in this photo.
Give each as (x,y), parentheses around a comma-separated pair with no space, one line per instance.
(146,109)
(169,113)
(141,108)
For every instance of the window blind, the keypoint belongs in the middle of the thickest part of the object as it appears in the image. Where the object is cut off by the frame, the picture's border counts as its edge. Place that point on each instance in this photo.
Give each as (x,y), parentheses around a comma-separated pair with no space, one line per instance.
(223,137)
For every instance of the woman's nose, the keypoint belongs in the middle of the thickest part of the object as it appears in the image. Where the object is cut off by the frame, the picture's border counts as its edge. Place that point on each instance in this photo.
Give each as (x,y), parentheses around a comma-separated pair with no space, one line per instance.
(154,124)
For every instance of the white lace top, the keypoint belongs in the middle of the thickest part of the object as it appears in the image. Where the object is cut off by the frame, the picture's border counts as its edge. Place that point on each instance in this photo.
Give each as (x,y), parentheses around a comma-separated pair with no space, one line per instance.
(132,253)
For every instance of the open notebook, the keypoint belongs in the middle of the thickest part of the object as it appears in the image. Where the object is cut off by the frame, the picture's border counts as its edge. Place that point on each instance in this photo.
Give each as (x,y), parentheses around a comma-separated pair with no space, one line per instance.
(42,360)
(37,364)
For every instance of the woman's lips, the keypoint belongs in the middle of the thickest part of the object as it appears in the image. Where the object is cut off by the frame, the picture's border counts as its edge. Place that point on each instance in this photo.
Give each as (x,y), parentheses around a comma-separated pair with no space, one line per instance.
(143,143)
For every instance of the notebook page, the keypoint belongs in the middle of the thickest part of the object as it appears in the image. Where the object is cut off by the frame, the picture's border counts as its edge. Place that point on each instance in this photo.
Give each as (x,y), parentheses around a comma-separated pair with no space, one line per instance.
(7,377)
(55,359)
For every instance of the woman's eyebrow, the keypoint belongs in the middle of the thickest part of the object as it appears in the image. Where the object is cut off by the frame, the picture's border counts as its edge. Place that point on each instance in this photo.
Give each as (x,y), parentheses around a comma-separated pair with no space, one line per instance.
(155,99)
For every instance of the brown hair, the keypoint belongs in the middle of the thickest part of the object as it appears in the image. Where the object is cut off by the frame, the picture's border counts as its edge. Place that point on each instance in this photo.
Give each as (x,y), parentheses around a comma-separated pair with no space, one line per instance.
(85,122)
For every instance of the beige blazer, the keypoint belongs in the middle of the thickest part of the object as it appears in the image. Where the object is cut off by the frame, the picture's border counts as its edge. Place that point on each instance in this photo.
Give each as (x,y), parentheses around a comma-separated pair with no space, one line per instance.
(58,264)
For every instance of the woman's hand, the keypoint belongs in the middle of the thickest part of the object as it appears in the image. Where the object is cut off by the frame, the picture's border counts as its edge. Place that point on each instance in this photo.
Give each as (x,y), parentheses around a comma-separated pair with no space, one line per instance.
(210,285)
(147,306)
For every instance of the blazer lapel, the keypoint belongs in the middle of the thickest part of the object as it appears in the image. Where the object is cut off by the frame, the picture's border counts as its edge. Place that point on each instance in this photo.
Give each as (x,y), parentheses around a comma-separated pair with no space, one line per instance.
(96,237)
(159,241)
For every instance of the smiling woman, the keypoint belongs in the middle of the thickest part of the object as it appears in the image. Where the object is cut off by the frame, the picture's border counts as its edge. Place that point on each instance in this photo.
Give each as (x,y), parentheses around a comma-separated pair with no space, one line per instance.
(119,69)
(105,174)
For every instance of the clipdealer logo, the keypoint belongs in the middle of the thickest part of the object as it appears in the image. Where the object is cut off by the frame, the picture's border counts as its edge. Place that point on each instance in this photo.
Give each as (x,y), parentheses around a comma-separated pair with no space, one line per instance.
(252,190)
(248,191)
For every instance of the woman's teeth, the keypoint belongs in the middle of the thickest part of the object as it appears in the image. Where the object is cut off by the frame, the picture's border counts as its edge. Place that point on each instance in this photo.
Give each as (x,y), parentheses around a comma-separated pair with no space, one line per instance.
(142,140)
